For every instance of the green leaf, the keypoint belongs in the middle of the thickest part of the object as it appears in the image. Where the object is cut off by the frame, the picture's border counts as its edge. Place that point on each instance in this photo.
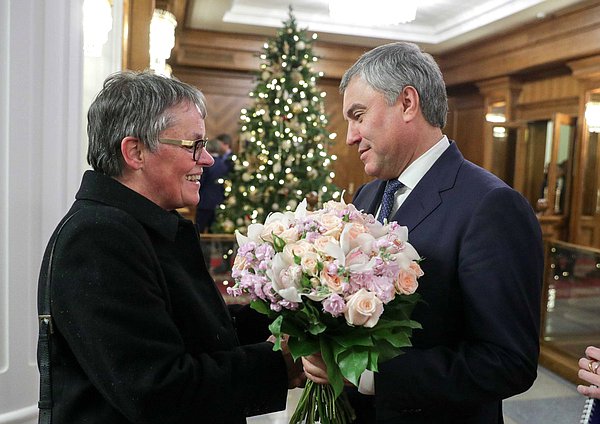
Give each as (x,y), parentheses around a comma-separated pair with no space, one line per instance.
(292,326)
(357,337)
(303,346)
(333,371)
(260,306)
(316,328)
(352,363)
(386,351)
(275,328)
(373,361)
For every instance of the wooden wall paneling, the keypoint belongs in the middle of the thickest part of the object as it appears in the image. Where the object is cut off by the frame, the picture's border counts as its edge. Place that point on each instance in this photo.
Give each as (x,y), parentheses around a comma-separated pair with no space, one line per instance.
(349,170)
(137,15)
(587,72)
(226,94)
(219,50)
(541,99)
(466,112)
(562,37)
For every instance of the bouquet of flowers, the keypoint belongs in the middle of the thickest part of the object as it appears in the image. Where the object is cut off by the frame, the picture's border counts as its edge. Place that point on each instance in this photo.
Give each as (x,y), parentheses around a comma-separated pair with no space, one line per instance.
(336,281)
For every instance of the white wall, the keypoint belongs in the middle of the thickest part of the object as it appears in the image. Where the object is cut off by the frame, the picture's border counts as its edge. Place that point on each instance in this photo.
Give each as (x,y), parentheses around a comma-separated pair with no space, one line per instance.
(41,63)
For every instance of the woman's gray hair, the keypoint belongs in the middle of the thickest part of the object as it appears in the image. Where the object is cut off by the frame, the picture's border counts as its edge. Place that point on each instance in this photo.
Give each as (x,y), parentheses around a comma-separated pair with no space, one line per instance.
(391,67)
(133,104)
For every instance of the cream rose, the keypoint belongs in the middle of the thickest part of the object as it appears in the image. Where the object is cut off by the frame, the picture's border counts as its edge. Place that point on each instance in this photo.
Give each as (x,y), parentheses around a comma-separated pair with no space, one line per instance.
(406,282)
(239,263)
(310,263)
(321,243)
(289,236)
(363,308)
(275,227)
(330,221)
(299,248)
(334,282)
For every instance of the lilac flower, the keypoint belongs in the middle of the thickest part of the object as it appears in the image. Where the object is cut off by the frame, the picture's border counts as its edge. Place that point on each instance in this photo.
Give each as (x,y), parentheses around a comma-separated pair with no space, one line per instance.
(334,305)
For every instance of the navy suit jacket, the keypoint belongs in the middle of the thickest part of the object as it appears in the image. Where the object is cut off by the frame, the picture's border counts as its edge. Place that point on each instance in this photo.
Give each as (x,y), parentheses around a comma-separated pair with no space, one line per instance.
(483,263)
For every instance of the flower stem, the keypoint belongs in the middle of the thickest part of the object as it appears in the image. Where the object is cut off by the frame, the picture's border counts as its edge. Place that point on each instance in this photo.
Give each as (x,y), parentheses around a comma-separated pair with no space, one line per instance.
(318,404)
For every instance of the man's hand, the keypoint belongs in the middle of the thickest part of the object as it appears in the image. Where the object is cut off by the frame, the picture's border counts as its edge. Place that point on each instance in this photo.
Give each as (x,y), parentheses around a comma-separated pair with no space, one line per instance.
(315,368)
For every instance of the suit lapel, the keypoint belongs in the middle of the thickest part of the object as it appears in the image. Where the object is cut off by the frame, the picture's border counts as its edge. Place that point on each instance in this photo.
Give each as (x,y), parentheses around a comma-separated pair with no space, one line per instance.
(373,197)
(427,195)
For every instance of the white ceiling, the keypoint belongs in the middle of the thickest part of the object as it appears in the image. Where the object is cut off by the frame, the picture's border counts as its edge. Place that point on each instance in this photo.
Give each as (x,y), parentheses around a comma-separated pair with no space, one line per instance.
(440,25)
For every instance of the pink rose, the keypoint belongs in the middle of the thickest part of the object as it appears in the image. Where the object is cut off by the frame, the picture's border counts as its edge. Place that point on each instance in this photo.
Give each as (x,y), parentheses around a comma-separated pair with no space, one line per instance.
(363,308)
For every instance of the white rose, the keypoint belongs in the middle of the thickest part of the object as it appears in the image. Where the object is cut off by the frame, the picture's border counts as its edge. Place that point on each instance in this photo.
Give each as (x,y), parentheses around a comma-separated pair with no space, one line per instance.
(363,308)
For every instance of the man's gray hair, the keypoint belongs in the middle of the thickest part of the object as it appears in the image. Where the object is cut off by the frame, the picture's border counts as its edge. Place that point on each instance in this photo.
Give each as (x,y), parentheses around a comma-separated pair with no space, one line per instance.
(133,104)
(391,67)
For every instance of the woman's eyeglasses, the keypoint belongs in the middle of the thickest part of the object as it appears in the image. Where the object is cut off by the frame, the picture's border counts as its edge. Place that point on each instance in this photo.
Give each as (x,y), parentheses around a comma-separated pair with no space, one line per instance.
(193,146)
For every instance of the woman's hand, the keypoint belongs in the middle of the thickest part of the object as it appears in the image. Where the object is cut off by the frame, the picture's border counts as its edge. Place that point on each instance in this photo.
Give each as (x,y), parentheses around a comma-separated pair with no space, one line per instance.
(589,370)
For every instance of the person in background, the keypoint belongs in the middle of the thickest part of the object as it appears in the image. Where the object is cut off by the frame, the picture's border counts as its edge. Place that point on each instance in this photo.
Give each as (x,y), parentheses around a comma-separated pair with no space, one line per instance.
(212,192)
(224,143)
(589,370)
(479,239)
(140,332)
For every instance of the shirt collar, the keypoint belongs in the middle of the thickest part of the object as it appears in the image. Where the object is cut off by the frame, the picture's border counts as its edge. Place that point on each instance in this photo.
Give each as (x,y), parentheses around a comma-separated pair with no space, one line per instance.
(416,170)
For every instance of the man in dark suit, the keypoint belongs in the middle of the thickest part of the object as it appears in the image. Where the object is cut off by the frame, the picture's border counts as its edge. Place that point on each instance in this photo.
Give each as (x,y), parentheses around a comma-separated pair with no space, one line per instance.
(480,243)
(212,191)
(140,333)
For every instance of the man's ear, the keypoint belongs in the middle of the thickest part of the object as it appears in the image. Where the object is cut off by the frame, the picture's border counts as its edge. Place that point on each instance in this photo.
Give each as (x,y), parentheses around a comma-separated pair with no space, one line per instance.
(132,150)
(410,102)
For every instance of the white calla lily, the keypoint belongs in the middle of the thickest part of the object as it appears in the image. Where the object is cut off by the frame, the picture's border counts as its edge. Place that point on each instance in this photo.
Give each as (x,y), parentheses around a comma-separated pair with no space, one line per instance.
(254,232)
(240,238)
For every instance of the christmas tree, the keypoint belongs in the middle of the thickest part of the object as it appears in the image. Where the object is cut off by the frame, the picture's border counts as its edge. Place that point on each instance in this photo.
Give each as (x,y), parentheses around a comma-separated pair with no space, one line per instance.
(283,155)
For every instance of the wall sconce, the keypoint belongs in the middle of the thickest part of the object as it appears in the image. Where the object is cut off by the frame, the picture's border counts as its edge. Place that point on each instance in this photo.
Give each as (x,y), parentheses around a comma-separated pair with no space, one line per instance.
(592,116)
(162,40)
(499,132)
(97,23)
(496,113)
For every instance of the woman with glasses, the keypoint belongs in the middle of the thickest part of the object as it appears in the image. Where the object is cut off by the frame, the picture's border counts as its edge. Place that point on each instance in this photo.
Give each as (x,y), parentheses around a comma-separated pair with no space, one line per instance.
(139,332)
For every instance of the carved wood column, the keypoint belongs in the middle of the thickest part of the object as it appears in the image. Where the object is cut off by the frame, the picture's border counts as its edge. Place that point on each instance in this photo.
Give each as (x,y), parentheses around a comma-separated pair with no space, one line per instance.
(137,15)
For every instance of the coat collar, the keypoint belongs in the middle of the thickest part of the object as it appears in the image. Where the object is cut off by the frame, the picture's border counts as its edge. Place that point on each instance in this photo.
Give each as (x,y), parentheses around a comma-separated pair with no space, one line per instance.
(426,196)
(104,189)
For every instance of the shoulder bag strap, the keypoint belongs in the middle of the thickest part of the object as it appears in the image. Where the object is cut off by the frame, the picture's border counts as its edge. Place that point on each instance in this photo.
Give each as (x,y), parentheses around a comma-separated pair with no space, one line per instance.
(45,330)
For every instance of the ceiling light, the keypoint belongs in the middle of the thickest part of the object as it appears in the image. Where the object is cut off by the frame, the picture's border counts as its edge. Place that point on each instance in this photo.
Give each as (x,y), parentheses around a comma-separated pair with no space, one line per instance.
(162,40)
(373,12)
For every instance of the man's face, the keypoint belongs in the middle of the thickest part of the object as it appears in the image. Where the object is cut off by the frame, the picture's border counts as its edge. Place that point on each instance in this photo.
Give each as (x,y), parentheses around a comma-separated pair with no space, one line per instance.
(171,177)
(378,129)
